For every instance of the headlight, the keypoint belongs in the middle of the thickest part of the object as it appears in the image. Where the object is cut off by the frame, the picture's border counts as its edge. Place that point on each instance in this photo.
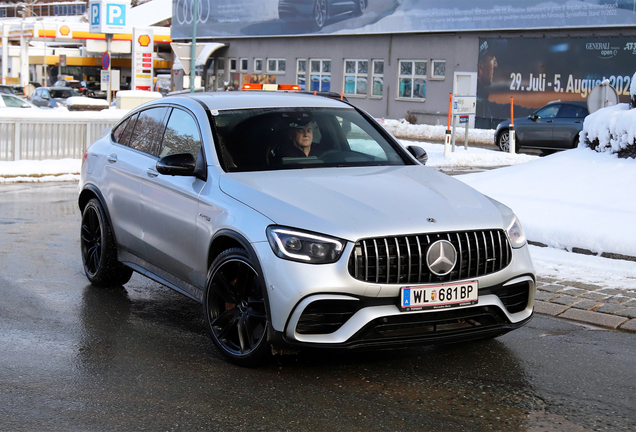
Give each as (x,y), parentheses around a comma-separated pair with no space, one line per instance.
(516,234)
(304,247)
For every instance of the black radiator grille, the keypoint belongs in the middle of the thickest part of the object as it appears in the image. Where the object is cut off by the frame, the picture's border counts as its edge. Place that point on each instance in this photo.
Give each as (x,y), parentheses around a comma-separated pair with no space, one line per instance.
(402,259)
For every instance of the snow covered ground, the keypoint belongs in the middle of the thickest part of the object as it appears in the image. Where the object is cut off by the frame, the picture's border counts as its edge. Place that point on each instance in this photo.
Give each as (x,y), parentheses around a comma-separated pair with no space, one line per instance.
(574,199)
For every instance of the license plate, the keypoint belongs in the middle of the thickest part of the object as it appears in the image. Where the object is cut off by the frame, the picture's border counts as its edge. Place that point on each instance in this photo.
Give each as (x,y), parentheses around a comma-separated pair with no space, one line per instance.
(439,296)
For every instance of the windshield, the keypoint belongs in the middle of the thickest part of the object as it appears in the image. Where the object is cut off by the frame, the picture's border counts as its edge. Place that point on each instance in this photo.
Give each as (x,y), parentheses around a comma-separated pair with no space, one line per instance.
(63,94)
(266,139)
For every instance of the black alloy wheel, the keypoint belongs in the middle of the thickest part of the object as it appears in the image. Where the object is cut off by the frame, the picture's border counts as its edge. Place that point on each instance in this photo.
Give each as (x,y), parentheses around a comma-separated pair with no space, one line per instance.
(234,309)
(320,13)
(99,252)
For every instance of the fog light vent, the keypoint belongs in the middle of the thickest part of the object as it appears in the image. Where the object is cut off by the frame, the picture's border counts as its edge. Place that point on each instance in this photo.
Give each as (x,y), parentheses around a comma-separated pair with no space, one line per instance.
(326,316)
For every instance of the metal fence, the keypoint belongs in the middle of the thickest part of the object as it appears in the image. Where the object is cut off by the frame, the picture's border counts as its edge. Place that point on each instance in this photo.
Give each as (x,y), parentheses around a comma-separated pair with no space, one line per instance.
(55,138)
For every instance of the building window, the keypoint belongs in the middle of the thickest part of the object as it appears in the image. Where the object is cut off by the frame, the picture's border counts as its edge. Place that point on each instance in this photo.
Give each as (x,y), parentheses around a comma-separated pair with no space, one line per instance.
(233,65)
(378,78)
(356,77)
(220,73)
(301,73)
(258,65)
(244,65)
(412,79)
(438,69)
(320,75)
(276,65)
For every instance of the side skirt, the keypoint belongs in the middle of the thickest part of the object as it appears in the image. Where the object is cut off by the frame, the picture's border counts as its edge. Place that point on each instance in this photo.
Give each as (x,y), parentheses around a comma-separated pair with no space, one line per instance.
(158,275)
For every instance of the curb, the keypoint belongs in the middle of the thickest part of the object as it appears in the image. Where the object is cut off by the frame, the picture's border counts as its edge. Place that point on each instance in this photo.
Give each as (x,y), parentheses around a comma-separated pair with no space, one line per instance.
(583,251)
(599,319)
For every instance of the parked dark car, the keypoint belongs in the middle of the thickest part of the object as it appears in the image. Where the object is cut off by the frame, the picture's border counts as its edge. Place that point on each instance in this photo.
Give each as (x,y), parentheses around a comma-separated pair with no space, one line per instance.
(320,10)
(94,90)
(555,126)
(53,97)
(16,90)
(78,86)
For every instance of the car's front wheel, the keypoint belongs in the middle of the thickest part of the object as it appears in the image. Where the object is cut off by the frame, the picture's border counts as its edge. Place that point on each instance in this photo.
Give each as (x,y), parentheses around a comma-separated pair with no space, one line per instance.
(99,251)
(320,13)
(234,308)
(503,140)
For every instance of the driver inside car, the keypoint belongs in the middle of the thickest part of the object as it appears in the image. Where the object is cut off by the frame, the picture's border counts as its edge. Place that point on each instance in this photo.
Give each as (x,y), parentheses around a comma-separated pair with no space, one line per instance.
(299,138)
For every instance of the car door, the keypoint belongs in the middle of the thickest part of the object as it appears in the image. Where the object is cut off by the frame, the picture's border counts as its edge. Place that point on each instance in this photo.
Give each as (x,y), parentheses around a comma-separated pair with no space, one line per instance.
(37,98)
(133,149)
(170,203)
(567,125)
(538,131)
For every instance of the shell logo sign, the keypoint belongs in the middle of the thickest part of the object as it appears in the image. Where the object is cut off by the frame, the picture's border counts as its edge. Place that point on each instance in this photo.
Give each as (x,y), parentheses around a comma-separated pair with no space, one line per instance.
(144,40)
(64,30)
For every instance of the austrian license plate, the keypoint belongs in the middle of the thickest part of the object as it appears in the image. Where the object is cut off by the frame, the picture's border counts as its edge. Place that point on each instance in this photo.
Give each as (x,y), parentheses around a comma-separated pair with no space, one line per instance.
(439,296)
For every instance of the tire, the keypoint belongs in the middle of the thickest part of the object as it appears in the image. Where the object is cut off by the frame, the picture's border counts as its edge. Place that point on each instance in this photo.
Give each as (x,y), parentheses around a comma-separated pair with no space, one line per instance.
(503,140)
(234,308)
(320,13)
(361,5)
(99,251)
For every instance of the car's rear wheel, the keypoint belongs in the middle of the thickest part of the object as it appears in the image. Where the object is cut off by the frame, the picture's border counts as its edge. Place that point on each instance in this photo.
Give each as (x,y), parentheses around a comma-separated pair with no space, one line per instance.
(234,307)
(503,140)
(99,251)
(320,13)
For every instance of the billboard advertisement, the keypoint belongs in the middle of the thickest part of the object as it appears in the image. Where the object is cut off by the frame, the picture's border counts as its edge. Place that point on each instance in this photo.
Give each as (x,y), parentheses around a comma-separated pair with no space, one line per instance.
(248,18)
(535,71)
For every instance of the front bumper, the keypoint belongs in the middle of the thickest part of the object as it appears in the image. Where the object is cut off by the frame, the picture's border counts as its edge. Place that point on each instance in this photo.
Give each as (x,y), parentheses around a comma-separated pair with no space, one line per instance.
(323,306)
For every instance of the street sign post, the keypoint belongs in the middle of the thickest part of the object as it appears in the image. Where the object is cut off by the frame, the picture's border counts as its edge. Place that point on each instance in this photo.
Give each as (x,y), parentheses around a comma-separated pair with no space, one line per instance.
(463,106)
(108,17)
(106,61)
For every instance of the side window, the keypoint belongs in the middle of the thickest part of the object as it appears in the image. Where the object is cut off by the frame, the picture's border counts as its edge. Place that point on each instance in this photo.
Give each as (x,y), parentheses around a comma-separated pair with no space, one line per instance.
(359,140)
(12,101)
(119,133)
(182,135)
(572,111)
(548,112)
(148,130)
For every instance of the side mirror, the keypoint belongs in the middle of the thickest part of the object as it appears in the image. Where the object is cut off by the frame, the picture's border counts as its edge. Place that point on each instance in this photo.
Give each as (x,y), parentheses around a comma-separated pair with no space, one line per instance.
(25,105)
(533,117)
(180,164)
(45,96)
(418,153)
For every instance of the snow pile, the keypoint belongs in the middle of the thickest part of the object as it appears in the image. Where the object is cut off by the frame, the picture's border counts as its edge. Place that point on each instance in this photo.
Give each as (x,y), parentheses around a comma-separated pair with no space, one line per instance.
(40,171)
(467,159)
(403,129)
(82,100)
(576,198)
(611,129)
(45,113)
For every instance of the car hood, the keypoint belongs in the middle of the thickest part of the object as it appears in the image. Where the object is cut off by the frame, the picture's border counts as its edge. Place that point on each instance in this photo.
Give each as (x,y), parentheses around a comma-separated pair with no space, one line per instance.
(354,203)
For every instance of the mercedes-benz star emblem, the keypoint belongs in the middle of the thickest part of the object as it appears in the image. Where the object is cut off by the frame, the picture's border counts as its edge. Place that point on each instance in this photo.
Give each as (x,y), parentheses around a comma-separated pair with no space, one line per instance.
(441,257)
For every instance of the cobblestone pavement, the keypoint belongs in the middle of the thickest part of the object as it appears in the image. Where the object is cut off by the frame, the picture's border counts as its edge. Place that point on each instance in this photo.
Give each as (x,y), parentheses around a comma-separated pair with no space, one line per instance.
(592,304)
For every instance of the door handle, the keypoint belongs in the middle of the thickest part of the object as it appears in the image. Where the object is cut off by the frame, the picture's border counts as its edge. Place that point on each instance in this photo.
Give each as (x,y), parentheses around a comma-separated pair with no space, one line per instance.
(112,158)
(152,172)
(548,121)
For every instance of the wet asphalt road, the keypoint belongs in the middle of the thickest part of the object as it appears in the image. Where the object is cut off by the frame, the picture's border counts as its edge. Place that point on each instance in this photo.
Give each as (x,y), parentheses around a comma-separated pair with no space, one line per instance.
(77,358)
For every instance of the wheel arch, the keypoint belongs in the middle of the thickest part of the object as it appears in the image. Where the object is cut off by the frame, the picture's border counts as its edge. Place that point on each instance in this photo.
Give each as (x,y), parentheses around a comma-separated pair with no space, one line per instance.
(225,239)
(91,191)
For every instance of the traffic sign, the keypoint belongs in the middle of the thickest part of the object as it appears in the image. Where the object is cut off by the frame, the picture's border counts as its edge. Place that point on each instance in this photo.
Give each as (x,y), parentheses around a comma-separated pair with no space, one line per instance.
(105,60)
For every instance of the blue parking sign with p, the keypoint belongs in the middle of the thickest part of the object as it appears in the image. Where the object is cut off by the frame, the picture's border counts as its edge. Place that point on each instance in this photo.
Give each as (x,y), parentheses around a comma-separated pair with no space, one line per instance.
(94,13)
(116,14)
